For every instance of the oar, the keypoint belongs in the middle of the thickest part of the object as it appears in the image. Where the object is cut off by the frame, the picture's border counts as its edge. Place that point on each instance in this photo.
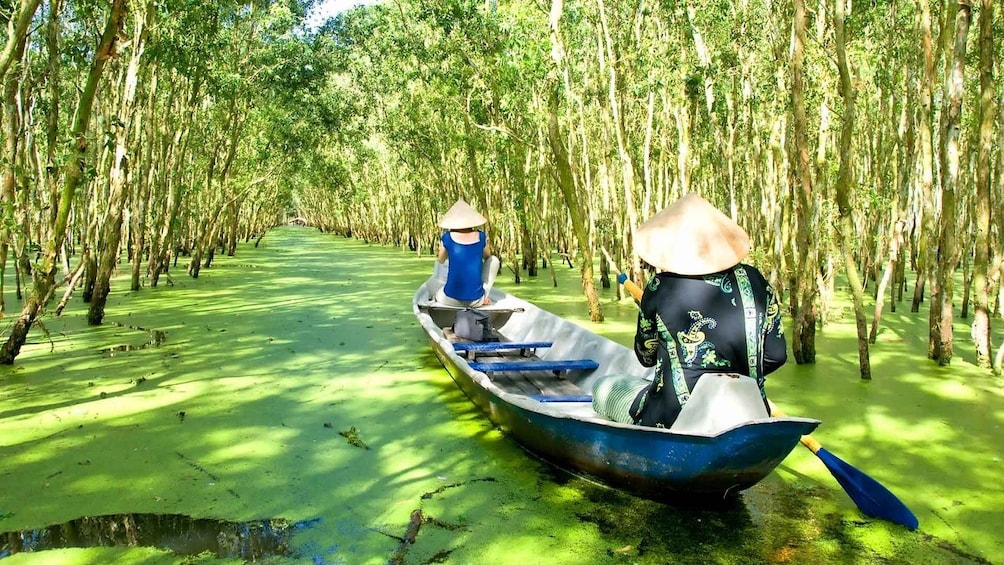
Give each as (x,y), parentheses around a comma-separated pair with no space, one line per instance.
(871,497)
(622,278)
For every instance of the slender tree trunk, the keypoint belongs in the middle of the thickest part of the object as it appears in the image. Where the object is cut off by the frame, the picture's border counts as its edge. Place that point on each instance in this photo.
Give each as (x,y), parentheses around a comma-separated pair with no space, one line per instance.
(566,180)
(471,160)
(574,203)
(804,323)
(53,144)
(941,308)
(44,276)
(614,85)
(843,190)
(924,129)
(12,136)
(17,31)
(233,221)
(73,279)
(967,284)
(905,164)
(888,276)
(142,196)
(996,270)
(981,261)
(119,185)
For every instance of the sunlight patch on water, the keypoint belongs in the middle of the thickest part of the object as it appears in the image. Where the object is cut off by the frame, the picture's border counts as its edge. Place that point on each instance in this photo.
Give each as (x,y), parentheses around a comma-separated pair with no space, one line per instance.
(951,390)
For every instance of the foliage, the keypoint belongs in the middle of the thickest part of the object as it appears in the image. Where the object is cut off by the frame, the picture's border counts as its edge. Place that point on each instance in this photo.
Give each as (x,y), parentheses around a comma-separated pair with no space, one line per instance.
(374,123)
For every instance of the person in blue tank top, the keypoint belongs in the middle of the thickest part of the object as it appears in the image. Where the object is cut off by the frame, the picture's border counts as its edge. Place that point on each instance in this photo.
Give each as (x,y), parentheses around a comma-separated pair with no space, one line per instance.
(472,266)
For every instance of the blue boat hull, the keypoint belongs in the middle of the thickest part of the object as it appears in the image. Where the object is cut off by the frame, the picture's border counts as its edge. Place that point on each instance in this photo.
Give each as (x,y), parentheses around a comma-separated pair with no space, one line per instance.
(645,461)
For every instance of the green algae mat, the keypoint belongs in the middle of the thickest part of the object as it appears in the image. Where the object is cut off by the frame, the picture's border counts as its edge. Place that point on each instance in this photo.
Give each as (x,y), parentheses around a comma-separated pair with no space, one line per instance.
(285,407)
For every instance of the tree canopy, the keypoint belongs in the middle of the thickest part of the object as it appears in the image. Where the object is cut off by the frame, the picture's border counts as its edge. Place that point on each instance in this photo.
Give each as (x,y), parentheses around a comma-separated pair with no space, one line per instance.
(861,140)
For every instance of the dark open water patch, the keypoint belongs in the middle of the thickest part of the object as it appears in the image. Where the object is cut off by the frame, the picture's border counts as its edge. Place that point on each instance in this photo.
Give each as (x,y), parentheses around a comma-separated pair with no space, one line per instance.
(182,535)
(157,338)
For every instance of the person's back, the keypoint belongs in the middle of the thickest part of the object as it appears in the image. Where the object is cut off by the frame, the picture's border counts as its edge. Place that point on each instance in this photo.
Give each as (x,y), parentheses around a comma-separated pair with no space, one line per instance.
(472,266)
(703,312)
(699,324)
(463,279)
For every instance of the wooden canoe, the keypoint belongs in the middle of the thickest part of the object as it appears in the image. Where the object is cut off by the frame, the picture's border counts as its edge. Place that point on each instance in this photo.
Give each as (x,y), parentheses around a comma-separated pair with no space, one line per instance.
(535,384)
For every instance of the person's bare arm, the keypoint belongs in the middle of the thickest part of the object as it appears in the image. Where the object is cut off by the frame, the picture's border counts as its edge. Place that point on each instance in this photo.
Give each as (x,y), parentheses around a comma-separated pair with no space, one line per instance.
(442,254)
(488,251)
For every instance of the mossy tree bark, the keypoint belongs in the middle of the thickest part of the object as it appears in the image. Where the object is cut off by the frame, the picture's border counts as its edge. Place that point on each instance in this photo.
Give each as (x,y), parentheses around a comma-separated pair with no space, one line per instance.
(119,186)
(844,188)
(12,123)
(44,274)
(574,202)
(982,207)
(925,185)
(17,32)
(804,293)
(948,254)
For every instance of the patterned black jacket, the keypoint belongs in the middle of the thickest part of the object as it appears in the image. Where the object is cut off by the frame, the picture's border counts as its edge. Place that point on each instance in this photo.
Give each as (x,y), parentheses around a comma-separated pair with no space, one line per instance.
(692,325)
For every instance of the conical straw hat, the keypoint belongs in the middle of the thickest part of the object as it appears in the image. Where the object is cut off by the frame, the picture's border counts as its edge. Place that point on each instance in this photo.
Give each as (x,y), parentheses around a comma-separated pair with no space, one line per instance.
(691,237)
(461,216)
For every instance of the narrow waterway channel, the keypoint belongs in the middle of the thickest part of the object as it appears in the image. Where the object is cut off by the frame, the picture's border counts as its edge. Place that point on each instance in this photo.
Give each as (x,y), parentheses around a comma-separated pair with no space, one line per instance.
(291,381)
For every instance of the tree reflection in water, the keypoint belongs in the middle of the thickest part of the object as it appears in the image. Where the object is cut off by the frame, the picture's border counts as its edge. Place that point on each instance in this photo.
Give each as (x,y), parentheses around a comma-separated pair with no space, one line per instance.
(182,535)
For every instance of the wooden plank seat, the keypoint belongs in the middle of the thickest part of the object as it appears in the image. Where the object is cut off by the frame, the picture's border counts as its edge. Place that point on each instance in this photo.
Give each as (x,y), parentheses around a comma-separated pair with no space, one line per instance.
(561,397)
(431,305)
(459,341)
(539,386)
(533,383)
(535,365)
(526,348)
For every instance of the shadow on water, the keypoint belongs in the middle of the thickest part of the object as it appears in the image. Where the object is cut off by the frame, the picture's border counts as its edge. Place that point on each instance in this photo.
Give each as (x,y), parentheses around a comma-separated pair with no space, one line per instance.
(182,535)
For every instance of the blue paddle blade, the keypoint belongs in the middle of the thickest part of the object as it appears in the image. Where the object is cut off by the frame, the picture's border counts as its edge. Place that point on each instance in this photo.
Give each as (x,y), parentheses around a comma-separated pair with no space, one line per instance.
(872,498)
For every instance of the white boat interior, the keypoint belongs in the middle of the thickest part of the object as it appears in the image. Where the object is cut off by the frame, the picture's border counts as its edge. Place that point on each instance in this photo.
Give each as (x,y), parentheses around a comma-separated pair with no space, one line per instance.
(544,360)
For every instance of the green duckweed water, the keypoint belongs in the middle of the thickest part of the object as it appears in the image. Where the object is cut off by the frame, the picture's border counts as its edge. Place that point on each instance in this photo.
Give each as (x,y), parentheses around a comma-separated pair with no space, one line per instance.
(292,382)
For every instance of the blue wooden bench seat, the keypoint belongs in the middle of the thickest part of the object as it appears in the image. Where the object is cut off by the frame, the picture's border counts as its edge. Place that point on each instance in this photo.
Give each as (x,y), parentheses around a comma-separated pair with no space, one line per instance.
(535,365)
(472,348)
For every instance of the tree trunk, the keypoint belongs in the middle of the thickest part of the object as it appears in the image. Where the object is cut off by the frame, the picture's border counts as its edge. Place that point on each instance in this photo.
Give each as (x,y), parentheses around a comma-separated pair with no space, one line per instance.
(119,186)
(843,189)
(72,281)
(233,221)
(142,196)
(614,86)
(941,307)
(981,261)
(574,202)
(44,276)
(889,275)
(12,136)
(967,285)
(804,294)
(926,184)
(17,31)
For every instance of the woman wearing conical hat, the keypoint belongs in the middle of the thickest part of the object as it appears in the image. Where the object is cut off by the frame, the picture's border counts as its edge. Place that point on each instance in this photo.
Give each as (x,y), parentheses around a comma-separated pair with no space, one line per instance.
(702,312)
(473,267)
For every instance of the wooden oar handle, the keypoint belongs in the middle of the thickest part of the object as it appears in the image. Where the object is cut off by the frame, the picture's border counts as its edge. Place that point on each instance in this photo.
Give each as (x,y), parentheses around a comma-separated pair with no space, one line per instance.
(807,440)
(633,289)
(810,442)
